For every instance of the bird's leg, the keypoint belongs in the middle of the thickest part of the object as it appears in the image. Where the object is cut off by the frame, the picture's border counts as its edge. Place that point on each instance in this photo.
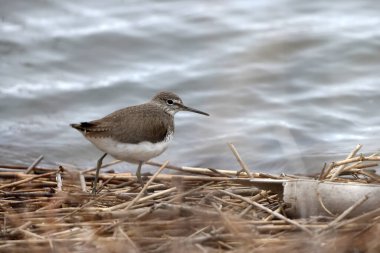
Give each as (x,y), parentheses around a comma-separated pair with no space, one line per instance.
(138,174)
(98,165)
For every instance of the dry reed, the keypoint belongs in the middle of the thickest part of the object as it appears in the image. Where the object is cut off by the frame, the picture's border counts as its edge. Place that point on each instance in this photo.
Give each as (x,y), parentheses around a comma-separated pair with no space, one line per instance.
(200,210)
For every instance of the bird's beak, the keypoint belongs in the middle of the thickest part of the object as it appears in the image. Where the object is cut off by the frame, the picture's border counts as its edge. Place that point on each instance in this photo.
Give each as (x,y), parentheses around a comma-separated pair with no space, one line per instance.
(189,109)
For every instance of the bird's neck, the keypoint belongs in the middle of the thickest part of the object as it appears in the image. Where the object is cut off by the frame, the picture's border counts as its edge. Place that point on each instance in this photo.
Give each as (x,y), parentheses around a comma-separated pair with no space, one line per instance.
(165,108)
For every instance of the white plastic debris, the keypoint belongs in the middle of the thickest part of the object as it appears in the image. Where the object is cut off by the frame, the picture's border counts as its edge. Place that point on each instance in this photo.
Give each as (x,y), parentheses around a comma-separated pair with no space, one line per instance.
(315,198)
(307,197)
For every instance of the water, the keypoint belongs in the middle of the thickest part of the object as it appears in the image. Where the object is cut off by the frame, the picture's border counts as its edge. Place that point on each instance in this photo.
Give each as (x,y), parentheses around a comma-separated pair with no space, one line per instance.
(291,83)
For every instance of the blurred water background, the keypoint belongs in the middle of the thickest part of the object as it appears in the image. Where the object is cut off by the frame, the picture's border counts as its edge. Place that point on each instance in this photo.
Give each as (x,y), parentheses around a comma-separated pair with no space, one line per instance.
(291,83)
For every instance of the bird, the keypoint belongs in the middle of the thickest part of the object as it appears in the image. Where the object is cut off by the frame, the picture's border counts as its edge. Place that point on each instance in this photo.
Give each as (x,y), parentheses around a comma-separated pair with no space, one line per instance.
(135,134)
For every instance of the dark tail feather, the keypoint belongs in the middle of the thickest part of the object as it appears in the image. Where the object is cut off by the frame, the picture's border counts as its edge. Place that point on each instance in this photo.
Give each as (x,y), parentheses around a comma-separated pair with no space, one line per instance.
(82,126)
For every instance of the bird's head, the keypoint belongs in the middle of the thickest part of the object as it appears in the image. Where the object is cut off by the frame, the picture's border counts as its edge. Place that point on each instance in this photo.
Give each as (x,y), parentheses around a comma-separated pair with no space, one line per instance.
(172,103)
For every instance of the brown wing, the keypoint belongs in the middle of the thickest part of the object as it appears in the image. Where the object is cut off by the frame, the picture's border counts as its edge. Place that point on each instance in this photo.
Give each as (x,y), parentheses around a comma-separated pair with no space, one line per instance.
(130,125)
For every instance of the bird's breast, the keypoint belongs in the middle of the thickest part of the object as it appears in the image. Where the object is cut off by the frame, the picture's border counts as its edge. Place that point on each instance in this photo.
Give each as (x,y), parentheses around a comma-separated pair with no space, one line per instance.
(142,151)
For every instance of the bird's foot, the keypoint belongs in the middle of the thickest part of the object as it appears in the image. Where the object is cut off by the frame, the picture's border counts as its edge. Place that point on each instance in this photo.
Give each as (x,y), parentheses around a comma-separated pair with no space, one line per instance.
(141,182)
(94,191)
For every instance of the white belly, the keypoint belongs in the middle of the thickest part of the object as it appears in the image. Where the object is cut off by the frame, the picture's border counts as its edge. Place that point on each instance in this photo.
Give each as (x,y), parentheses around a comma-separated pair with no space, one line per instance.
(133,153)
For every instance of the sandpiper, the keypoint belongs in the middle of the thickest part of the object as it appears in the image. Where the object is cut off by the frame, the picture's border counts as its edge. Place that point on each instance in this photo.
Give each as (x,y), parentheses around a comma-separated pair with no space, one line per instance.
(137,133)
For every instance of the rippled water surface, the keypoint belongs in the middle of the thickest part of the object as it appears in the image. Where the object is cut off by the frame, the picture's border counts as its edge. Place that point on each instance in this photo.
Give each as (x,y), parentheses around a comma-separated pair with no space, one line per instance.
(291,83)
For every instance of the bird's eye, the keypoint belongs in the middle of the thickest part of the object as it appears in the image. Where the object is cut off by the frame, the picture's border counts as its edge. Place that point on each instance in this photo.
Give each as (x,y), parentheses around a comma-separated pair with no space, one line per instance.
(169,102)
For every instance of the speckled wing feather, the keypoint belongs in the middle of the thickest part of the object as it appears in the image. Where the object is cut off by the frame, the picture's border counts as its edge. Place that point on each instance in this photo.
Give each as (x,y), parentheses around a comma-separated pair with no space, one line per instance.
(133,124)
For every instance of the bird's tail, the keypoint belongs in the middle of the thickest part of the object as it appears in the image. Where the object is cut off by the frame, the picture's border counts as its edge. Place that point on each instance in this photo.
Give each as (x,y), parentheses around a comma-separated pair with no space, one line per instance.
(82,126)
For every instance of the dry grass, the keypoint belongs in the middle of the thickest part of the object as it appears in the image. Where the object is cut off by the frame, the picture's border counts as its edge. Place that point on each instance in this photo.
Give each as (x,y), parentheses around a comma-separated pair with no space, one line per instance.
(201,210)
